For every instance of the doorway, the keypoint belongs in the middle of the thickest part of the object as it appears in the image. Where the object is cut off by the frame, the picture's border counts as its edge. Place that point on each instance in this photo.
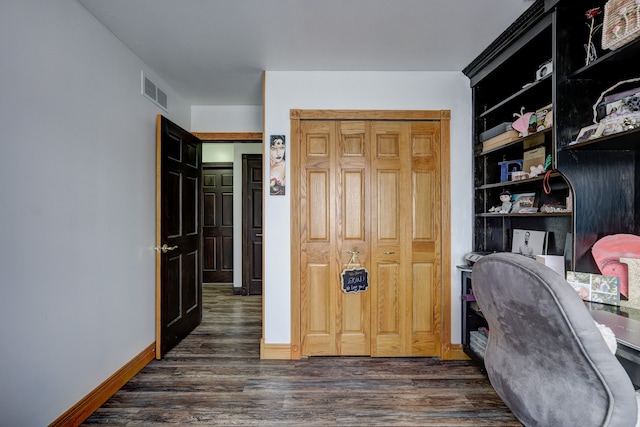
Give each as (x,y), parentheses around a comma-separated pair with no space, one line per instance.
(235,146)
(374,183)
(217,223)
(179,228)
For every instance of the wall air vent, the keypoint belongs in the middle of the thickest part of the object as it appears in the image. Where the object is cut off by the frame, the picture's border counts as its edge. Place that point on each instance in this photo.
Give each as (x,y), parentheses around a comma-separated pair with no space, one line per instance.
(149,88)
(153,92)
(162,99)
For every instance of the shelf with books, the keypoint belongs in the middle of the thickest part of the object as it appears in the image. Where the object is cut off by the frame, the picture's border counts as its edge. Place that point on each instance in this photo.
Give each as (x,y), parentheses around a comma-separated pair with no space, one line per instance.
(531,214)
(472,322)
(627,140)
(518,183)
(519,142)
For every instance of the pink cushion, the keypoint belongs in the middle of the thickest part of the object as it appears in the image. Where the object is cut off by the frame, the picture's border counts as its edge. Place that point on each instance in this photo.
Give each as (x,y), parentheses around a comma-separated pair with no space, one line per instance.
(608,251)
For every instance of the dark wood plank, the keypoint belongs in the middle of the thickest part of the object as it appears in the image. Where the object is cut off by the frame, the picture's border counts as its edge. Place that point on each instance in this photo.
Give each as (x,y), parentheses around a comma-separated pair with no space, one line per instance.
(215,377)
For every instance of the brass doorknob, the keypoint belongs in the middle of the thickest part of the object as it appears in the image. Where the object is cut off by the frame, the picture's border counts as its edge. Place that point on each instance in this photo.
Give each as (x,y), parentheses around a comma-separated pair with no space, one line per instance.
(164,248)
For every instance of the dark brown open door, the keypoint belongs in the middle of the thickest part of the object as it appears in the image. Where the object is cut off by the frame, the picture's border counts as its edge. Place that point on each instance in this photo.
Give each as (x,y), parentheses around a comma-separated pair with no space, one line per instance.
(252,224)
(217,223)
(178,235)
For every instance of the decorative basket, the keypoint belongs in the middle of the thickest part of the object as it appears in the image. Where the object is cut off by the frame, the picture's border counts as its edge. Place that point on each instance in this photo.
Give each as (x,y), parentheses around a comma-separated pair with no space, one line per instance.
(627,99)
(621,23)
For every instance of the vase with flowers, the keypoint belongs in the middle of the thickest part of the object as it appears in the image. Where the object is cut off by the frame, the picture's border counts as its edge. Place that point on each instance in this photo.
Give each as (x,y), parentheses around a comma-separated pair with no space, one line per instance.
(590,47)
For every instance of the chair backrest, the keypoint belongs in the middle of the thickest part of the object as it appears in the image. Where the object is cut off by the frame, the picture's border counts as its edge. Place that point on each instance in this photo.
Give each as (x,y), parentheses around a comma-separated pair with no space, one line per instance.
(545,356)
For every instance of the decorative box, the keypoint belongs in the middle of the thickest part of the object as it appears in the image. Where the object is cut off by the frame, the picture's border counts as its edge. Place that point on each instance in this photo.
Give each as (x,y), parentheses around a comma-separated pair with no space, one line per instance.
(544,117)
(629,100)
(618,112)
(621,23)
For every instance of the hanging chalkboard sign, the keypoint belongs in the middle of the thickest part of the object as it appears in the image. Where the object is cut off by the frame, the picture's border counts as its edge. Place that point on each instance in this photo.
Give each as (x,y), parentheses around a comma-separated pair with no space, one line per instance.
(354,280)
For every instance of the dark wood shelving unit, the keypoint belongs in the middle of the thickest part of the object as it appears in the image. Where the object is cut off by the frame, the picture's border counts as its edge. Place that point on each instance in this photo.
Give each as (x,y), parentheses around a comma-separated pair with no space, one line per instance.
(601,170)
(600,176)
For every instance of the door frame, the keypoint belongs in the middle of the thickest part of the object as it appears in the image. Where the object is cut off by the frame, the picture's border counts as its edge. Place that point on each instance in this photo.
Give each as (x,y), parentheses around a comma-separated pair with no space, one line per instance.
(205,137)
(231,138)
(444,117)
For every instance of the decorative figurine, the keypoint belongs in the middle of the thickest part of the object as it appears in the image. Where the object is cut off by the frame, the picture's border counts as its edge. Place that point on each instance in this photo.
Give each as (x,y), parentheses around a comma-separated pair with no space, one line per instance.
(536,170)
(505,198)
(524,122)
(590,47)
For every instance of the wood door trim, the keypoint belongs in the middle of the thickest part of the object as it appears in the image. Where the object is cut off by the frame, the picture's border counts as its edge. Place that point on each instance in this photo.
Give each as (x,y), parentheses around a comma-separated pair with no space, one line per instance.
(395,115)
(82,410)
(294,182)
(158,351)
(229,136)
(445,216)
(444,116)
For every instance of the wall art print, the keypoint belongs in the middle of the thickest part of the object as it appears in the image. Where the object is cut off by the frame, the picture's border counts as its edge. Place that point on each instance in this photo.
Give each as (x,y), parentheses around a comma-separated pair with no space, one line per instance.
(277,165)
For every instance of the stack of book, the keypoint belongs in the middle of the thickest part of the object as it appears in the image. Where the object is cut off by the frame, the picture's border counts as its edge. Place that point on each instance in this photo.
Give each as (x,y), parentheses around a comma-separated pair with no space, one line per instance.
(500,140)
(498,135)
(478,343)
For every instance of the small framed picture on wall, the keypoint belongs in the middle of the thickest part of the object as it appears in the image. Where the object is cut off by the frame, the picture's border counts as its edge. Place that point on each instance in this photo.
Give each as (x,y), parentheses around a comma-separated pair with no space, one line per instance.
(277,165)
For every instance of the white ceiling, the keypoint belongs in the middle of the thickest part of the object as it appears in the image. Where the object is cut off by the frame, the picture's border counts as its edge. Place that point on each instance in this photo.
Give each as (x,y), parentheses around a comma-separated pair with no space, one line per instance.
(213,52)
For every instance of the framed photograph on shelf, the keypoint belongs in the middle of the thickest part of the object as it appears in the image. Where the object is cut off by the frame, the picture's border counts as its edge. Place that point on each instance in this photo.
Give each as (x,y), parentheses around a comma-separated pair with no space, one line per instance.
(524,203)
(595,287)
(529,242)
(587,133)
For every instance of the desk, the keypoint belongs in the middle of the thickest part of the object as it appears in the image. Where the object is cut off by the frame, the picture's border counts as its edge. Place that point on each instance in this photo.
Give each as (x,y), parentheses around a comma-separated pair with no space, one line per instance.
(625,324)
(623,321)
(472,318)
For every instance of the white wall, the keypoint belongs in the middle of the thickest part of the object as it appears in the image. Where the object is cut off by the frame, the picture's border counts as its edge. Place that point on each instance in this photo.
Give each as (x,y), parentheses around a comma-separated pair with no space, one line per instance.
(217,153)
(226,118)
(77,207)
(231,118)
(365,91)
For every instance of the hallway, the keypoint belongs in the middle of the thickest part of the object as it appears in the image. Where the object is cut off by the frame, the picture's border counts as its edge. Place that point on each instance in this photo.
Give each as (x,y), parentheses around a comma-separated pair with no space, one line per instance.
(215,377)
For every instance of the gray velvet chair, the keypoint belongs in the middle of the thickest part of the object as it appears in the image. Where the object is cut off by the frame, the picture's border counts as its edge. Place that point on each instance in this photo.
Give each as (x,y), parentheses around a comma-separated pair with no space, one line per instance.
(545,356)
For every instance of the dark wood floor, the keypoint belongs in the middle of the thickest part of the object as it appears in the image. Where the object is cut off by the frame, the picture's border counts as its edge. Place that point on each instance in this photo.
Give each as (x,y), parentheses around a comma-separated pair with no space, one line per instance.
(215,377)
